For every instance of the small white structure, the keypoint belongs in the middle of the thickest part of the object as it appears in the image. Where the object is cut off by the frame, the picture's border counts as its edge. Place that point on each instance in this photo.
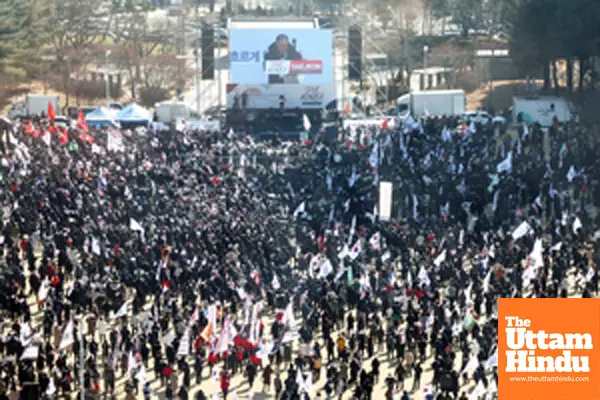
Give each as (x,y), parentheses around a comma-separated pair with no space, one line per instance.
(428,78)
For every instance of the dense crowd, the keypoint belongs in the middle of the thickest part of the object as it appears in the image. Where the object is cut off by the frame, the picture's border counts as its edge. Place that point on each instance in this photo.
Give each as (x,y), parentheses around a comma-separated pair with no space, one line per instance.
(192,258)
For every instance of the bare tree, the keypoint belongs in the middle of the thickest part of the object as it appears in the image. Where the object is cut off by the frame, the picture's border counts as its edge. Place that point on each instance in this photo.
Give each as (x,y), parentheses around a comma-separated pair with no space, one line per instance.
(139,38)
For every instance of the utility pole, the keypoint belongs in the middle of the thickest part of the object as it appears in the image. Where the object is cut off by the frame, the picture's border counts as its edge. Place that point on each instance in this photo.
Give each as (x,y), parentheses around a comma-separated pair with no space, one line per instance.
(106,81)
(218,67)
(197,59)
(181,47)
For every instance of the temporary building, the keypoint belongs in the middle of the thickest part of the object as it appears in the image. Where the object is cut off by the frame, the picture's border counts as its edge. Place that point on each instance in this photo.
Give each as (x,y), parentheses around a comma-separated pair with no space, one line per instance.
(134,114)
(101,116)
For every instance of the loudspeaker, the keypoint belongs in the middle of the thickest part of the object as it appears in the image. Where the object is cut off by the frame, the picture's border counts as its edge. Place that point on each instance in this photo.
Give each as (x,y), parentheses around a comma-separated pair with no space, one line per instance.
(208,53)
(354,53)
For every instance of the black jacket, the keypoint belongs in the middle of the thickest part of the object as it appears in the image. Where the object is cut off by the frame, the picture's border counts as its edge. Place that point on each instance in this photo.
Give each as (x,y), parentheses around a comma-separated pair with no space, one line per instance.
(273,53)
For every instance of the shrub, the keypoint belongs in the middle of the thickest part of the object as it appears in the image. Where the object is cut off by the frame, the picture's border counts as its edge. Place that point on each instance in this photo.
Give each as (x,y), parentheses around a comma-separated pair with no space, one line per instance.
(149,96)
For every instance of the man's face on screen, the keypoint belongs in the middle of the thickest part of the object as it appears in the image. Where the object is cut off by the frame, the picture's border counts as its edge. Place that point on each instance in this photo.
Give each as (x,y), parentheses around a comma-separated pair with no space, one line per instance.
(282,45)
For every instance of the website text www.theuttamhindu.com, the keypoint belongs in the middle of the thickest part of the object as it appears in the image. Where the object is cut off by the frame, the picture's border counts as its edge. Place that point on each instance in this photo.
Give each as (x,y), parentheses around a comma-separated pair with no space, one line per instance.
(549,379)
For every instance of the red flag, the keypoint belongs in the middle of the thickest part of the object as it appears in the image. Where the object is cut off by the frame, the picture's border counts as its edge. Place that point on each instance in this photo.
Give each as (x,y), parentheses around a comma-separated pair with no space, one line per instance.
(347,109)
(385,124)
(51,113)
(81,122)
(29,128)
(63,136)
(87,138)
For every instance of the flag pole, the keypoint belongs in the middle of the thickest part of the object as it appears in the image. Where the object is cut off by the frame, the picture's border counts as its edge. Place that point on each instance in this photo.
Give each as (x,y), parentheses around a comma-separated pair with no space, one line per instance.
(81,358)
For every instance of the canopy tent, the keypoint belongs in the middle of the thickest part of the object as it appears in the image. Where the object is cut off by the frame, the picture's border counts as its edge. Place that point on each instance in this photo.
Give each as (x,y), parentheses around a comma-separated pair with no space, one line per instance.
(101,116)
(134,115)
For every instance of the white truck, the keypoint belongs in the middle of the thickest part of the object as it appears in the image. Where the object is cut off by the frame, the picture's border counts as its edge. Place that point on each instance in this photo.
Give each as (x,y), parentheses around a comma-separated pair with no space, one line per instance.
(542,110)
(33,104)
(432,102)
(170,111)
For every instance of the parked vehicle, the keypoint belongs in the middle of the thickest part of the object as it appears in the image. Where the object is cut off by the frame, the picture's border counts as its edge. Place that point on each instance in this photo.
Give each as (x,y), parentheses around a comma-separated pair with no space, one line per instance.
(483,118)
(432,102)
(169,111)
(33,104)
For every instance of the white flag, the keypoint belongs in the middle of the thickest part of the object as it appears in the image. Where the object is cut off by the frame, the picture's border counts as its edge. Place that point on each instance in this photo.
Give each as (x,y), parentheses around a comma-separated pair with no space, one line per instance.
(572,174)
(67,338)
(300,209)
(131,363)
(306,122)
(224,338)
(300,380)
(374,157)
(96,246)
(471,365)
(577,225)
(556,247)
(537,260)
(308,383)
(440,259)
(141,375)
(353,178)
(326,268)
(288,316)
(590,273)
(492,361)
(43,291)
(352,229)
(424,277)
(184,344)
(47,137)
(478,392)
(415,206)
(506,164)
(521,230)
(486,281)
(135,226)
(122,312)
(51,389)
(265,349)
(275,283)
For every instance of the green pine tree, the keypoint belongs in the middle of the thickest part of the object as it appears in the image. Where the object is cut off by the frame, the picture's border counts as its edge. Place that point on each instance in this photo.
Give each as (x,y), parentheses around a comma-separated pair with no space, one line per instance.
(15,17)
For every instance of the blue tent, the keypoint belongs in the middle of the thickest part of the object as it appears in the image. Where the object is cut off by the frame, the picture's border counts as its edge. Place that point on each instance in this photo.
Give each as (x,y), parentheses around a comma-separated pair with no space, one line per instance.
(134,115)
(101,116)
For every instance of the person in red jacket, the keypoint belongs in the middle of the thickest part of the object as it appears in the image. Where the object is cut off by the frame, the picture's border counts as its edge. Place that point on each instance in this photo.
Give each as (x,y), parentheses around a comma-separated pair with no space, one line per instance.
(225,377)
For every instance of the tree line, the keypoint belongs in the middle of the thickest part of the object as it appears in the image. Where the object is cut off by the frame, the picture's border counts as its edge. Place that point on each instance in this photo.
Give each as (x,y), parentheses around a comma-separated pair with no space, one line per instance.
(67,42)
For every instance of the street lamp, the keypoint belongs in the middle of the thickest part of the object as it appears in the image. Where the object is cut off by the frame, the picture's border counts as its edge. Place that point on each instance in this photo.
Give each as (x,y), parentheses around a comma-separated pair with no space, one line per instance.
(43,69)
(198,72)
(107,83)
(425,75)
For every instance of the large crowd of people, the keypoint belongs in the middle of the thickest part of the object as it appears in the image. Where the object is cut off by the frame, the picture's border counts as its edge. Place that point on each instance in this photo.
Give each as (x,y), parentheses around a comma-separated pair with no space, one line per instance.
(145,263)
